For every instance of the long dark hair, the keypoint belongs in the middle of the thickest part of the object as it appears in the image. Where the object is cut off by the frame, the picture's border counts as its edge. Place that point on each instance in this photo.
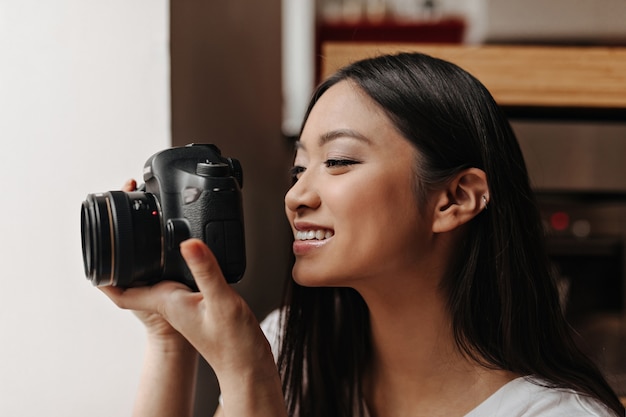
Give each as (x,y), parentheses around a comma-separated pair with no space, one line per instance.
(501,296)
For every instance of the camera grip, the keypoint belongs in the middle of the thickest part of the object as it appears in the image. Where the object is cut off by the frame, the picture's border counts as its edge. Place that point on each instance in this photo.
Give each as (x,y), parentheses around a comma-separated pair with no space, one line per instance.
(226,240)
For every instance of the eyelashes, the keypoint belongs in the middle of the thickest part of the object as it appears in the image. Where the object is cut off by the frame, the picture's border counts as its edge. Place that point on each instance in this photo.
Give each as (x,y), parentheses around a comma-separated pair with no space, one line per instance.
(297,170)
(331,163)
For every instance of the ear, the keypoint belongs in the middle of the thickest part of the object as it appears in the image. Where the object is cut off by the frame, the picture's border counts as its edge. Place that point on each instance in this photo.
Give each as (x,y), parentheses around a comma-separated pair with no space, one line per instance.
(461,200)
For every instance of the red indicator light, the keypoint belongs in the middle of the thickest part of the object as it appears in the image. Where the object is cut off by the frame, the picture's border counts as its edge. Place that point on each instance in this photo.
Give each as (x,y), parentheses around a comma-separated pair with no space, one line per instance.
(154,213)
(559,221)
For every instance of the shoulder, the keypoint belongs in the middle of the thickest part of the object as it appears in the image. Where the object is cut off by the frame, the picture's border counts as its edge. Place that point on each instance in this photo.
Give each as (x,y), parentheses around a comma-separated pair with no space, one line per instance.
(532,397)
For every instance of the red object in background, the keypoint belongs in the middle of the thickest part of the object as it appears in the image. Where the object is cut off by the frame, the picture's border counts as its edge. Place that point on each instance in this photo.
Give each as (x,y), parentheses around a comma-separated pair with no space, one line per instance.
(559,221)
(448,30)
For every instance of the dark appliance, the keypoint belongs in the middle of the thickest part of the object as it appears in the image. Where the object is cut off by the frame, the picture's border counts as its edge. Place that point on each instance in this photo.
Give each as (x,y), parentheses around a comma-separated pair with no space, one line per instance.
(579,175)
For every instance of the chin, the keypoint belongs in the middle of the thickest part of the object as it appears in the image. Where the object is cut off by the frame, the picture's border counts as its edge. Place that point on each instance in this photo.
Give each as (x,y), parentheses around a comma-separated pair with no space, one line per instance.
(314,277)
(306,280)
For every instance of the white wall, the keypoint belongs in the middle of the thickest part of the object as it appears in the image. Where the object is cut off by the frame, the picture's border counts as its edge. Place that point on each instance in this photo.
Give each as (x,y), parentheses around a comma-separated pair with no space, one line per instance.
(84,100)
(298,63)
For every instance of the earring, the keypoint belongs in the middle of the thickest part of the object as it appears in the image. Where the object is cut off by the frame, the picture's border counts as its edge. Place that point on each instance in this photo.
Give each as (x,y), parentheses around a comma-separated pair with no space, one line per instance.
(485,202)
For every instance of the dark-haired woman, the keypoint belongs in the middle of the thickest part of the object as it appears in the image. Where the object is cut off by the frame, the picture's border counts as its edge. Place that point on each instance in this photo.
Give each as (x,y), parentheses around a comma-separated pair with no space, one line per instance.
(421,286)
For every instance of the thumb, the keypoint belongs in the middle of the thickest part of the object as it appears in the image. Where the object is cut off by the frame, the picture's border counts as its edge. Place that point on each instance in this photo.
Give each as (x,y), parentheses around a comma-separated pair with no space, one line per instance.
(204,267)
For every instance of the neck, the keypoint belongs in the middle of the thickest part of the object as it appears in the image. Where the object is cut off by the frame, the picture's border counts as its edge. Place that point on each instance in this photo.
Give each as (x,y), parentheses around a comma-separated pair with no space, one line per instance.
(411,327)
(417,368)
(419,344)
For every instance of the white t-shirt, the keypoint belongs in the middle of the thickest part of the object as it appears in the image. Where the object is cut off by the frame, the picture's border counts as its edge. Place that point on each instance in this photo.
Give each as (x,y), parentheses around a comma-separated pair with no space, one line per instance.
(525,397)
(522,397)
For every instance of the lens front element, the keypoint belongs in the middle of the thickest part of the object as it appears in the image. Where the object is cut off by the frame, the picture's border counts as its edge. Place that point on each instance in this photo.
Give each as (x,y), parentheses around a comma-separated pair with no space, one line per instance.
(122,238)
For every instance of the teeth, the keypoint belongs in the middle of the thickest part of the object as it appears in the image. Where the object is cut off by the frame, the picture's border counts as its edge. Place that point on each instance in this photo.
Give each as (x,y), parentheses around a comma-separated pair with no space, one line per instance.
(313,234)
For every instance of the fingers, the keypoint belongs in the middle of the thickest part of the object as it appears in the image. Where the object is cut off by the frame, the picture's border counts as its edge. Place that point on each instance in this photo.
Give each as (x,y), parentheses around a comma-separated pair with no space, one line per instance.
(125,298)
(149,299)
(216,321)
(129,298)
(130,185)
(195,315)
(204,268)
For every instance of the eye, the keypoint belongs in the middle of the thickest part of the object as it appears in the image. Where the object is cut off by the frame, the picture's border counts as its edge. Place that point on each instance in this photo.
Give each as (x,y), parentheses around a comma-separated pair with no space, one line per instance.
(295,173)
(334,163)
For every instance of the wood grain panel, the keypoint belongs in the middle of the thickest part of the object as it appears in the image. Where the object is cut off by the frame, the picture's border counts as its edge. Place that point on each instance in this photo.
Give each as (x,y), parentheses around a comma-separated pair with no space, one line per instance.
(519,76)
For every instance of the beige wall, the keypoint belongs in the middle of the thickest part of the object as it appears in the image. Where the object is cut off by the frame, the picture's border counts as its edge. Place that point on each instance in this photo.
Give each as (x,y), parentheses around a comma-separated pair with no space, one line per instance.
(84,102)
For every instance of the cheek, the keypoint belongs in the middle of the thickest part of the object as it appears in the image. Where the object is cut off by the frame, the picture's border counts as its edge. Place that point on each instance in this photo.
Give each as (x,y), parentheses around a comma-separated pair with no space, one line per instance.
(378,212)
(390,216)
(372,203)
(384,198)
(288,213)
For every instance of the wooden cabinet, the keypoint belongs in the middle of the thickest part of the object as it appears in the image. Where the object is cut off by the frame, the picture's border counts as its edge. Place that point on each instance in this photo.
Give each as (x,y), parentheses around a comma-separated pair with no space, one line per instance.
(544,81)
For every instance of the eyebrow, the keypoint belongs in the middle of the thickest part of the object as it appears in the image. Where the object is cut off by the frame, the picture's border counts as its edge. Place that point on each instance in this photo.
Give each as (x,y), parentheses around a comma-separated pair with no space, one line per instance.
(336,134)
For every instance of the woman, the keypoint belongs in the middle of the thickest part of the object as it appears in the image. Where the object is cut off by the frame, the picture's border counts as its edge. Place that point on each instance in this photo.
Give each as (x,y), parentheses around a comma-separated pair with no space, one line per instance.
(421,284)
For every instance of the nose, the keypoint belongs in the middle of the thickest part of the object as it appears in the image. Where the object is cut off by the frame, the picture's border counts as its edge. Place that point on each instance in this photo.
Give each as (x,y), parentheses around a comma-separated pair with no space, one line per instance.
(302,194)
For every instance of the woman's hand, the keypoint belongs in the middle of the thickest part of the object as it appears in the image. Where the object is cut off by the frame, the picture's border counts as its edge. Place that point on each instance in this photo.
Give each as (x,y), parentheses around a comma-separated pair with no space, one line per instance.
(218,323)
(159,330)
(215,320)
(220,326)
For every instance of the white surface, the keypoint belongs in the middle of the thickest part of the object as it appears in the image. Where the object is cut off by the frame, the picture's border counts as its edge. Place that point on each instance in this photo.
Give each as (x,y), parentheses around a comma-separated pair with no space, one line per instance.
(298,64)
(557,20)
(83,102)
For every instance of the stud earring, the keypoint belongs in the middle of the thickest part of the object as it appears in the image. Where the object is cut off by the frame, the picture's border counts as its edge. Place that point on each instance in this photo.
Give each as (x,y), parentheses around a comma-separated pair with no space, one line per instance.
(485,202)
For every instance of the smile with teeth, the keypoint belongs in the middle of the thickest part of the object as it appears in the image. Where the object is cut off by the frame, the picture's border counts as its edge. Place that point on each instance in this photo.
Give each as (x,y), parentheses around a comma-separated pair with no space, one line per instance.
(313,234)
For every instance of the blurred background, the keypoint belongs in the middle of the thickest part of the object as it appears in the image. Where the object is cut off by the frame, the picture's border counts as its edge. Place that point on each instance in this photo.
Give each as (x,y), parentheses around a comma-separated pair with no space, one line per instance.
(89,90)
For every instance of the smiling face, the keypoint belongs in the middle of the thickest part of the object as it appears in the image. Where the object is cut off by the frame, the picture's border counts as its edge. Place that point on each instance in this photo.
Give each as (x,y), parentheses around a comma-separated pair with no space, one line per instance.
(353,208)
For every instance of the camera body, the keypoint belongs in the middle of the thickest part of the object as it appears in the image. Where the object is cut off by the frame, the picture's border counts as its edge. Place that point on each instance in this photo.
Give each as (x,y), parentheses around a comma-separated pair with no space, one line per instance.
(132,238)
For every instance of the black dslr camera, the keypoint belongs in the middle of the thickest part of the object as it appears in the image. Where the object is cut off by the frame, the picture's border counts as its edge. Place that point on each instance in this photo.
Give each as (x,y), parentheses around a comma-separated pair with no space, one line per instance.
(132,238)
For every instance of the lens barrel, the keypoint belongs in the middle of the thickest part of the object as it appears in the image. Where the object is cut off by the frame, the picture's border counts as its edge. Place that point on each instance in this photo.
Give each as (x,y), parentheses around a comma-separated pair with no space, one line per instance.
(122,238)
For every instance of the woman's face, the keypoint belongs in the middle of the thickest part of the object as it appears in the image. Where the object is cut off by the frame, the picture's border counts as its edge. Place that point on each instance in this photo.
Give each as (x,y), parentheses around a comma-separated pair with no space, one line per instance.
(353,209)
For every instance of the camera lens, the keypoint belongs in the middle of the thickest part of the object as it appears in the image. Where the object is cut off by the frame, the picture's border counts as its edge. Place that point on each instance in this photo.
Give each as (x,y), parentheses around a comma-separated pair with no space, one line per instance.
(122,238)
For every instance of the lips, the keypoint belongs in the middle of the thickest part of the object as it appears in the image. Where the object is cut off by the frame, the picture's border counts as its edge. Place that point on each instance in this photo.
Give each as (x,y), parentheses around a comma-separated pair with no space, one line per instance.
(309,238)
